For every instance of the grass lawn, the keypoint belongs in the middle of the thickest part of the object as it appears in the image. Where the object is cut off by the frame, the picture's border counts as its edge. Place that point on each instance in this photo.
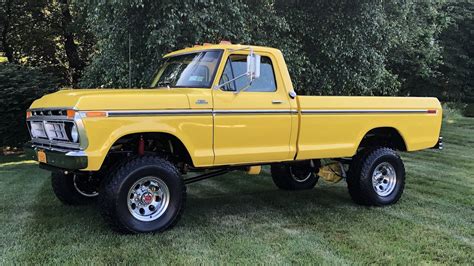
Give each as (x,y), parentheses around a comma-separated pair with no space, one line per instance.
(244,219)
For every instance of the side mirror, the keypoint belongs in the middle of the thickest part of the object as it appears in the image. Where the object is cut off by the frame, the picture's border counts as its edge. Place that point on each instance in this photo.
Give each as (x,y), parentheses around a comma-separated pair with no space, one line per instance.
(253,66)
(253,72)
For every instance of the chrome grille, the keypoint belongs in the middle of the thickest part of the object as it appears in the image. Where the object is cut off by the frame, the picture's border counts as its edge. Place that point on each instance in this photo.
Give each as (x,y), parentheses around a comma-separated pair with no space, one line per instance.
(37,129)
(51,128)
(56,131)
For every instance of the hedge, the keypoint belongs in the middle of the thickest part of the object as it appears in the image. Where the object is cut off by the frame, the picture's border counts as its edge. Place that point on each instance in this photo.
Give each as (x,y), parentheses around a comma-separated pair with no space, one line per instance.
(19,87)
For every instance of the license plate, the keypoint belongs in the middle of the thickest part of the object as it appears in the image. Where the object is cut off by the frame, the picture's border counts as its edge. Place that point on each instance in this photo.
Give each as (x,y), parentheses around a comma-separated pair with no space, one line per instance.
(42,157)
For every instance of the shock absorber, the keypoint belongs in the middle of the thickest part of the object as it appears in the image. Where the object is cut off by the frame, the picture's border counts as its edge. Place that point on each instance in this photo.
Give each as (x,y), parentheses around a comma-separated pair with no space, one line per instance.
(141,146)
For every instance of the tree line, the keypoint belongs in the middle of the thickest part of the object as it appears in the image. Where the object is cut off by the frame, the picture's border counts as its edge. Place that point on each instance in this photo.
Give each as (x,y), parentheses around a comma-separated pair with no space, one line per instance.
(332,47)
(338,47)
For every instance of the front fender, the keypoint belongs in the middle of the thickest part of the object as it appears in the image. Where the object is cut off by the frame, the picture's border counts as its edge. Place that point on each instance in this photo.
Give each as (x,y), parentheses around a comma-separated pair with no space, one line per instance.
(195,132)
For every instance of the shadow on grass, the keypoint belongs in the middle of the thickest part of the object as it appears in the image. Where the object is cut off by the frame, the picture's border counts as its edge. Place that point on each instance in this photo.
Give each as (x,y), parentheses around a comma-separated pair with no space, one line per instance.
(255,198)
(243,217)
(227,206)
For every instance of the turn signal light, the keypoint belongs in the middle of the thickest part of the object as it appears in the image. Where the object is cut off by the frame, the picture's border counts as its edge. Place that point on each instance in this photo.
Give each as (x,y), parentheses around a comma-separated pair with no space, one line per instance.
(70,114)
(28,114)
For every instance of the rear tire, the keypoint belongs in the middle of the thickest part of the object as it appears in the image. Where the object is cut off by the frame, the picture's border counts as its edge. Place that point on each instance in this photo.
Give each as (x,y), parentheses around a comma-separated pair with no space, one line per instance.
(376,177)
(145,194)
(294,176)
(75,189)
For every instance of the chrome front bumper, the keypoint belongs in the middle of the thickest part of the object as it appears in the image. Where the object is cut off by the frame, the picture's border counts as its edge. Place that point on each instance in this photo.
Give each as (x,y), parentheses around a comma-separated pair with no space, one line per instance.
(57,158)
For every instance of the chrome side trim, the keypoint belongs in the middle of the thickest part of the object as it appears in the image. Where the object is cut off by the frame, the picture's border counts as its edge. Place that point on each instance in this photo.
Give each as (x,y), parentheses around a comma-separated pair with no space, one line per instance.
(239,112)
(161,112)
(191,112)
(128,113)
(366,111)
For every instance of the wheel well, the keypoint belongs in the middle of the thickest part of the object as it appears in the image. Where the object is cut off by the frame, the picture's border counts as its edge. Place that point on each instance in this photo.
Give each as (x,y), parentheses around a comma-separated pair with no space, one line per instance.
(383,136)
(158,143)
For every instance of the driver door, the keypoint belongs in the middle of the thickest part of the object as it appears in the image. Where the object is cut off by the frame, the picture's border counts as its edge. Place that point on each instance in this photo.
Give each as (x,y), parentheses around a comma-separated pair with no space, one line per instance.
(254,124)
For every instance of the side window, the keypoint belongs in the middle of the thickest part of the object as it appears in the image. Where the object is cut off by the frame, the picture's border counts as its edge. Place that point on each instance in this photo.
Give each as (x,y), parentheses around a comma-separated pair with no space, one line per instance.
(237,65)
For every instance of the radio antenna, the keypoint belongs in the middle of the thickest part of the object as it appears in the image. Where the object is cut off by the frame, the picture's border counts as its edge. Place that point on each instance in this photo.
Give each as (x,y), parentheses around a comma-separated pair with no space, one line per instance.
(129,48)
(129,60)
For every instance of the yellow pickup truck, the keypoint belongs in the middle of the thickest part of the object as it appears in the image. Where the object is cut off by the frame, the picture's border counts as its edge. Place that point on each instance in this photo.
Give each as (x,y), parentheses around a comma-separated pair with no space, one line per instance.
(212,109)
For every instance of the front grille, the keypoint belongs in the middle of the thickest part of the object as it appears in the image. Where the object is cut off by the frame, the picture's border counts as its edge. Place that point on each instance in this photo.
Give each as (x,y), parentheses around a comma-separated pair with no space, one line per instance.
(51,130)
(56,130)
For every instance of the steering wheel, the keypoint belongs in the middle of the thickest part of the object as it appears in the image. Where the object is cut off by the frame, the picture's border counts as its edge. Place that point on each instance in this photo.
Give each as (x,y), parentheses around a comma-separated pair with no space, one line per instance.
(225,79)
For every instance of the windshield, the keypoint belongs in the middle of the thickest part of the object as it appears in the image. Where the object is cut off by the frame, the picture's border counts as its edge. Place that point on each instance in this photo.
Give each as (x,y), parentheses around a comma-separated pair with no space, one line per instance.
(195,70)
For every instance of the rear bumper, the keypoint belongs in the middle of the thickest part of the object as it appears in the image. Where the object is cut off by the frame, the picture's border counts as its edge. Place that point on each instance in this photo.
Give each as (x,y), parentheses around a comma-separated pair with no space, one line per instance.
(439,144)
(56,158)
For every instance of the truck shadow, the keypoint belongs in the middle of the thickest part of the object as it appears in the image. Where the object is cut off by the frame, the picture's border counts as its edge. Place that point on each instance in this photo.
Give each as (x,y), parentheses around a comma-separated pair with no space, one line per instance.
(229,205)
(209,202)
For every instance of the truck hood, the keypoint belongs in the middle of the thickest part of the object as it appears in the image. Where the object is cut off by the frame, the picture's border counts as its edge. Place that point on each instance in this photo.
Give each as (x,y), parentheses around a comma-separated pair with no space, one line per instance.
(115,99)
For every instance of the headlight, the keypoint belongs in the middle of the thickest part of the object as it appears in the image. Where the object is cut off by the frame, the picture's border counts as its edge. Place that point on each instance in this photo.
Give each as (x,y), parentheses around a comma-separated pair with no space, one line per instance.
(74,134)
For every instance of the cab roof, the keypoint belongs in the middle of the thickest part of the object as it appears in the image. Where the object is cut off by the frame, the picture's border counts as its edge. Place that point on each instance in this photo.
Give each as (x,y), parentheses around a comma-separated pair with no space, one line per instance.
(220,46)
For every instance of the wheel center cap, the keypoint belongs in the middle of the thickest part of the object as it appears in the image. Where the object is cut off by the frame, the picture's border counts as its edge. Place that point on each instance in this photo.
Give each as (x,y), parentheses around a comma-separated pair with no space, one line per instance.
(147,198)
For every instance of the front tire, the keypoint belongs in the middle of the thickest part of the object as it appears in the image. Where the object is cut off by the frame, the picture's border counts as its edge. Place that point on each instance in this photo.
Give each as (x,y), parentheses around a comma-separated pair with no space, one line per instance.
(376,177)
(75,189)
(145,194)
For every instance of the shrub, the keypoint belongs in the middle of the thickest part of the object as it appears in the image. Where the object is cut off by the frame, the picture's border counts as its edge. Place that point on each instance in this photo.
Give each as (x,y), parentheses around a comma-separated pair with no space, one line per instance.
(19,87)
(469,110)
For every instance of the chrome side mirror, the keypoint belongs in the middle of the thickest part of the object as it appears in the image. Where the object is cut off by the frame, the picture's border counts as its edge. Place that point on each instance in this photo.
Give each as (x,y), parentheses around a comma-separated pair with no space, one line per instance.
(253,72)
(253,66)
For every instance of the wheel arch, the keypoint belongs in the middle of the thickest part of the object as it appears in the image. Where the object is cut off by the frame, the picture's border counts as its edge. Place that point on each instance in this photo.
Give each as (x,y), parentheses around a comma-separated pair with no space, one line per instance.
(383,136)
(171,143)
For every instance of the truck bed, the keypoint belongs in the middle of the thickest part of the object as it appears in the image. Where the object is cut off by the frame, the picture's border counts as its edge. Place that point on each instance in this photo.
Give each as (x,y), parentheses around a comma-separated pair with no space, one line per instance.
(333,126)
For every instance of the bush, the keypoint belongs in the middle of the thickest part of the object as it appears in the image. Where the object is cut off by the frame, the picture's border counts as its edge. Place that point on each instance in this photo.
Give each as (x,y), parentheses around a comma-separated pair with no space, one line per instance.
(469,110)
(19,87)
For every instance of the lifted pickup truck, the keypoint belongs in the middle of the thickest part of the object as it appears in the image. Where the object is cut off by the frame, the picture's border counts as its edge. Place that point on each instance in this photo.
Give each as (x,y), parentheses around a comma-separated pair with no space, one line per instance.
(212,109)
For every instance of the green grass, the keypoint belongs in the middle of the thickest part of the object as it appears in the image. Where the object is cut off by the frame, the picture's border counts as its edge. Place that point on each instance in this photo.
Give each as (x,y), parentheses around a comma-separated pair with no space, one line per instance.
(245,219)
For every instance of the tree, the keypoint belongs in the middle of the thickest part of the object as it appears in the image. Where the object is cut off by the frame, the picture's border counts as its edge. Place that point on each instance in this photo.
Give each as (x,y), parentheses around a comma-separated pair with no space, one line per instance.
(415,54)
(457,82)
(179,24)
(46,34)
(345,43)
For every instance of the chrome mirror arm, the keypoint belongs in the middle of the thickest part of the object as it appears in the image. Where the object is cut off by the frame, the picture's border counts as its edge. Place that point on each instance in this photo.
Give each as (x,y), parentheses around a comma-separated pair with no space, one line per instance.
(229,81)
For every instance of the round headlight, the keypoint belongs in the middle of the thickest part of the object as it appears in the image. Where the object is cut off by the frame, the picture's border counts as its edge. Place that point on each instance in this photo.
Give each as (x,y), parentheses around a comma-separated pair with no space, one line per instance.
(74,134)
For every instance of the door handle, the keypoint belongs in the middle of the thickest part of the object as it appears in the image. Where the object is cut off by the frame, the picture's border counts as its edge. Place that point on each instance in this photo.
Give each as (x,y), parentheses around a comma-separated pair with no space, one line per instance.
(277,102)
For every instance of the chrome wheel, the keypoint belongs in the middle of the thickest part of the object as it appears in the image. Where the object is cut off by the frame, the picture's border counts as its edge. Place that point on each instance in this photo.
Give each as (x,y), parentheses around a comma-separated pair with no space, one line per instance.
(300,174)
(384,179)
(148,198)
(84,186)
